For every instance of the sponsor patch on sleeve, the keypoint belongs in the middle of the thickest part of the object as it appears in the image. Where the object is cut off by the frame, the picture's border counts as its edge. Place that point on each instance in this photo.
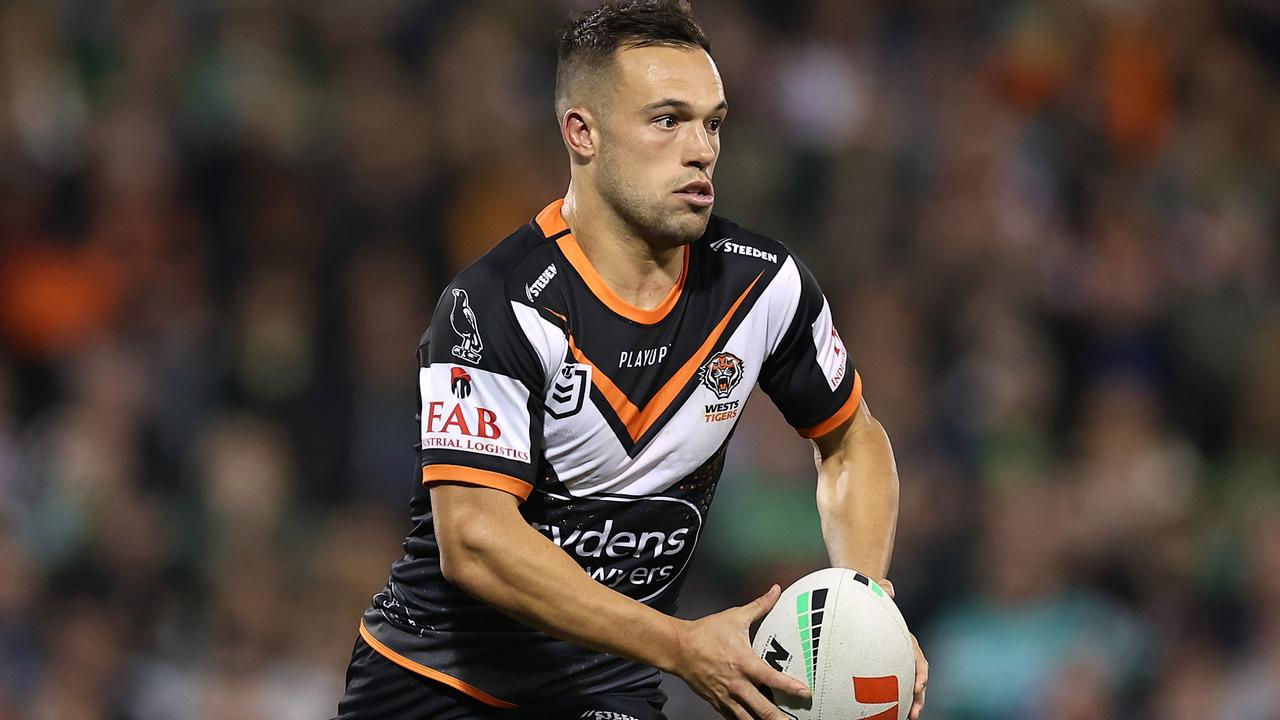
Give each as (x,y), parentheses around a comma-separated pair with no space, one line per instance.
(832,357)
(474,410)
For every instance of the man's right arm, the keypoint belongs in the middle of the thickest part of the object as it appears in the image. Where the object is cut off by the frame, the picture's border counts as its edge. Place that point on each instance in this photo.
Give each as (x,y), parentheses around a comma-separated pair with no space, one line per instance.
(491,552)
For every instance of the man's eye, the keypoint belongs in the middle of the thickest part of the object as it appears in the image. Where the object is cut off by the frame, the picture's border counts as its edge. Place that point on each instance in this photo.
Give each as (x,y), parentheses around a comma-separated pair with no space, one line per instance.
(714,124)
(667,122)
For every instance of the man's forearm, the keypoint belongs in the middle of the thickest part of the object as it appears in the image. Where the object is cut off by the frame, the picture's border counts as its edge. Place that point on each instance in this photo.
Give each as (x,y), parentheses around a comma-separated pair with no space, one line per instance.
(517,570)
(858,495)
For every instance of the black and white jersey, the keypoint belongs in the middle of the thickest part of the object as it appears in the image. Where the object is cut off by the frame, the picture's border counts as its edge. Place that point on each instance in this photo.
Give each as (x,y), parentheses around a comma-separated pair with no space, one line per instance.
(609,422)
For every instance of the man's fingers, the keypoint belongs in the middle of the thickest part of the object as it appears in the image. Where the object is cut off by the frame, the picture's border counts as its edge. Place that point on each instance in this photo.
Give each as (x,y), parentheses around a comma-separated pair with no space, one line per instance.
(888,587)
(922,681)
(922,665)
(758,704)
(733,711)
(917,706)
(761,674)
(763,604)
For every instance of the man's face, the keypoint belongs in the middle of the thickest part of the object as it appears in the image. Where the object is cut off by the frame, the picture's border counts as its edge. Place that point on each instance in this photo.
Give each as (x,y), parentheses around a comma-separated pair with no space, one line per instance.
(660,138)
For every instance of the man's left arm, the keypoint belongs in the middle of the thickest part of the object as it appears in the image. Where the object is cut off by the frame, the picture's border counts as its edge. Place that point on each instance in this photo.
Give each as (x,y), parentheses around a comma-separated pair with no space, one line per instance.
(858,494)
(858,504)
(810,377)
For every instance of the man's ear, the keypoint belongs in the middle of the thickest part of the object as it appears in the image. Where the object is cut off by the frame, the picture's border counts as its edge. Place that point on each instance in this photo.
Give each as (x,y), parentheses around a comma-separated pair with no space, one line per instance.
(581,133)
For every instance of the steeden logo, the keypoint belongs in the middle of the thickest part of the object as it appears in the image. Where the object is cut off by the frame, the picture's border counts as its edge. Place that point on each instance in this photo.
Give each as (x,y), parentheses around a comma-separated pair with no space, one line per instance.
(727,245)
(533,291)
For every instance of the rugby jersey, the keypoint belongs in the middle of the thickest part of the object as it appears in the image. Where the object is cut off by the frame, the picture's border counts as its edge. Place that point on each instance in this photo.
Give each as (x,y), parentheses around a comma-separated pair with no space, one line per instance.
(608,421)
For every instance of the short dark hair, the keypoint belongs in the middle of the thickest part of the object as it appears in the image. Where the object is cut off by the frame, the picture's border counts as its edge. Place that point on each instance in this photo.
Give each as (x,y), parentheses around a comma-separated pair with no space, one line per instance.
(588,41)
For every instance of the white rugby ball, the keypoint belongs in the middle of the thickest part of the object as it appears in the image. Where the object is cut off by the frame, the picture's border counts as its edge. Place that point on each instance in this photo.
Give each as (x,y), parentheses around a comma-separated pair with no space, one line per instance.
(838,631)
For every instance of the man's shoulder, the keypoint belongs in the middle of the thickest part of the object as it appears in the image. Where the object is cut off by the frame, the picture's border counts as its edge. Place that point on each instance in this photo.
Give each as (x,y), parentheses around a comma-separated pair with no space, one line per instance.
(474,320)
(500,272)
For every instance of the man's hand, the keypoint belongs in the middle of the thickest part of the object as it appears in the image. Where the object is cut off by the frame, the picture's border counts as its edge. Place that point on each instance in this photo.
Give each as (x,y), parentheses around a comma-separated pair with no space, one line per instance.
(716,660)
(922,667)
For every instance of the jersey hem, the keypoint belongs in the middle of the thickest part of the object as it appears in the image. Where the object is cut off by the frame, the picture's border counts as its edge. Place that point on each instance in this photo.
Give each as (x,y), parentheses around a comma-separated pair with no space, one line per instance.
(845,412)
(475,476)
(431,673)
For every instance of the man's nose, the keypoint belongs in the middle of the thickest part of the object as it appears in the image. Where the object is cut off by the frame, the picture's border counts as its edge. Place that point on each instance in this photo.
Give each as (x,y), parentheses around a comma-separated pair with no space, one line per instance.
(699,152)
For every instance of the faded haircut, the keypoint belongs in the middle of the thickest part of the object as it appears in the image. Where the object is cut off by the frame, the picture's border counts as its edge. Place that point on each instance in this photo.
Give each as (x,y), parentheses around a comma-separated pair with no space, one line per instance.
(588,42)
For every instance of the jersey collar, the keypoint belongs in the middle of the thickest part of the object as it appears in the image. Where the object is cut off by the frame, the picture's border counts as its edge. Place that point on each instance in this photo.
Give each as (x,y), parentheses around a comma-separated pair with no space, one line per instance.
(553,226)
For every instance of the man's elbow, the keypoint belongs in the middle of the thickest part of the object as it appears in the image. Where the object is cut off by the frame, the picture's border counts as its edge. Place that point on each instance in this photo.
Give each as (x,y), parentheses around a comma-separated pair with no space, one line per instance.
(463,548)
(454,561)
(464,560)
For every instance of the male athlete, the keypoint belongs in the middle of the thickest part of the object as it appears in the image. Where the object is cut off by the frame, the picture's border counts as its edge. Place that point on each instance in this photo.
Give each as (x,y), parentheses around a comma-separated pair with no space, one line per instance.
(579,385)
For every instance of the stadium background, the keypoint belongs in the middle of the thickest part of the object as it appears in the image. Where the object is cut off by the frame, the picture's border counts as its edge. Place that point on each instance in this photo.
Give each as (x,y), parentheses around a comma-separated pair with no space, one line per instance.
(1048,229)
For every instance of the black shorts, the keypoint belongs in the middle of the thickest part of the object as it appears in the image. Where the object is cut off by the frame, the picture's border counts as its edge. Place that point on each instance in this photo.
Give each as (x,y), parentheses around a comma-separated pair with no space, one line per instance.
(378,689)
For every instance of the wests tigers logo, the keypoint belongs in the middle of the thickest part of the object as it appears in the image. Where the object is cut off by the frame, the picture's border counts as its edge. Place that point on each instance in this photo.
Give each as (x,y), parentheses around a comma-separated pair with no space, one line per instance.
(722,373)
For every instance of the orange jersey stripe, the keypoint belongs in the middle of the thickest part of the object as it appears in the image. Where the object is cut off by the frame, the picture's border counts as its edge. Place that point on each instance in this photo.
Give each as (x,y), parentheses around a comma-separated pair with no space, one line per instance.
(668,393)
(552,223)
(618,400)
(578,259)
(639,421)
(436,675)
(473,476)
(845,412)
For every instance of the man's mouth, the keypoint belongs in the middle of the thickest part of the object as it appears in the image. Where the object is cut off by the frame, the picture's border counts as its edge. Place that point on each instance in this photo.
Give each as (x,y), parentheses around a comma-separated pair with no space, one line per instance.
(698,193)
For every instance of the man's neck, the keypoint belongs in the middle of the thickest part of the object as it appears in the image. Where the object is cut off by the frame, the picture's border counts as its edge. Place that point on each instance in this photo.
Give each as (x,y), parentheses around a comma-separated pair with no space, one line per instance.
(634,269)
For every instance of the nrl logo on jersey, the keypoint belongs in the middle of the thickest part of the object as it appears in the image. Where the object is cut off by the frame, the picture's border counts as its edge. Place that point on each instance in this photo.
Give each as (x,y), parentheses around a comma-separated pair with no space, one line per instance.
(722,374)
(569,389)
(533,291)
(463,320)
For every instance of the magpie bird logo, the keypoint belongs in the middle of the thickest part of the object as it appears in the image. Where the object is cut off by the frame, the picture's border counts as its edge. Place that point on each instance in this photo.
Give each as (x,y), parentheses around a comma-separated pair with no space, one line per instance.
(463,320)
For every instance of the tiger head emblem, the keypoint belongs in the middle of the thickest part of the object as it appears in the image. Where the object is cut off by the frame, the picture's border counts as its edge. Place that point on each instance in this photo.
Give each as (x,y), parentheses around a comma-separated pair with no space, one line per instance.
(722,373)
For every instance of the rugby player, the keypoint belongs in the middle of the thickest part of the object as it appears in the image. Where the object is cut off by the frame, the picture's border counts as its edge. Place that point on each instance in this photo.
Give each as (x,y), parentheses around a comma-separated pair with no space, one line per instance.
(579,385)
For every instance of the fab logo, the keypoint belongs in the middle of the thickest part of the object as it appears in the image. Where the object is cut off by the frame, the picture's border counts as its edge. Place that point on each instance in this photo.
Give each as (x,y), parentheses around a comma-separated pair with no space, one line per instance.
(474,422)
(474,410)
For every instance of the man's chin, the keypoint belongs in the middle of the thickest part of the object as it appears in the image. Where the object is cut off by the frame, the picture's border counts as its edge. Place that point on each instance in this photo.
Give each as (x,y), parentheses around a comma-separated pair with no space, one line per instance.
(695,227)
(672,225)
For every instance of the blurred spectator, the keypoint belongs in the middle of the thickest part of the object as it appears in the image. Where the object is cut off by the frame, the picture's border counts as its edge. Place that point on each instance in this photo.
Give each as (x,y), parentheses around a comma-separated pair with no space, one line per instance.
(1048,232)
(1027,644)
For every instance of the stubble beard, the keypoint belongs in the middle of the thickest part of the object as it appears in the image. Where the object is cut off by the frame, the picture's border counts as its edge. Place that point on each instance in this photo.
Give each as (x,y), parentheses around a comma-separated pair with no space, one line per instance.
(647,219)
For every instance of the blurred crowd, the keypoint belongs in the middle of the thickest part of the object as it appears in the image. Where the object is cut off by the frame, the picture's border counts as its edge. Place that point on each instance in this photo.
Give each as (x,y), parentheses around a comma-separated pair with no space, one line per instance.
(1049,230)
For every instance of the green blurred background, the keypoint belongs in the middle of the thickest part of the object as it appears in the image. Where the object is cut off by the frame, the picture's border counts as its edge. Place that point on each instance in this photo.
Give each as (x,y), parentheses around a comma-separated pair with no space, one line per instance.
(1048,230)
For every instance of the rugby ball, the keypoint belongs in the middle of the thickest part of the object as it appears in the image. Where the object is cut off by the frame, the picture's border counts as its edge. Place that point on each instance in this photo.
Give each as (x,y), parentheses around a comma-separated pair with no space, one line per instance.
(838,631)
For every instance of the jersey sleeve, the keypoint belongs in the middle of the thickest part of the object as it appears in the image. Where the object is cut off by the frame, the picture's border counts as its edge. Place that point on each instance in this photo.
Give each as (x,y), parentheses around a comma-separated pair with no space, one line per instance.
(809,375)
(480,393)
